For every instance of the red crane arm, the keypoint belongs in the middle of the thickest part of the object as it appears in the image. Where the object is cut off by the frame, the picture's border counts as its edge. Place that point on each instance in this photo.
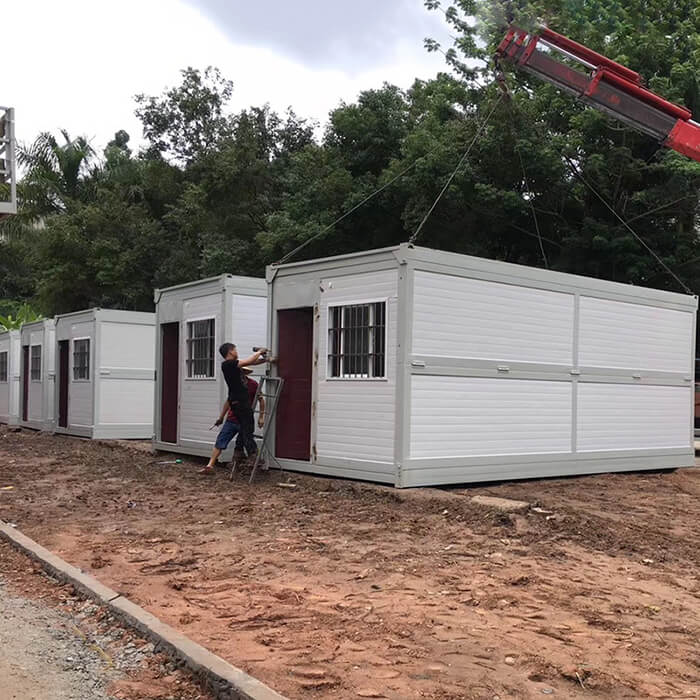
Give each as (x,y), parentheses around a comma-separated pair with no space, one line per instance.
(604,84)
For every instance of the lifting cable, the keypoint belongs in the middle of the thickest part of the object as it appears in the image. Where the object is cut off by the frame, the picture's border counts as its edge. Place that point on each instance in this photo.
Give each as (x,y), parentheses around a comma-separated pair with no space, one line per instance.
(317,235)
(464,157)
(480,129)
(503,85)
(577,173)
(372,195)
(532,205)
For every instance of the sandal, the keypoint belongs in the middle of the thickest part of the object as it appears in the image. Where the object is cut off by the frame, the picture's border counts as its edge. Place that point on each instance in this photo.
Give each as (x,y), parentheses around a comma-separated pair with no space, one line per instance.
(205,470)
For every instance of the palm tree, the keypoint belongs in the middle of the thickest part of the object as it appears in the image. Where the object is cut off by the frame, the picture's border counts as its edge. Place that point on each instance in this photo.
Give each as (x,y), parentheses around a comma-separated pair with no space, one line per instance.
(54,172)
(24,314)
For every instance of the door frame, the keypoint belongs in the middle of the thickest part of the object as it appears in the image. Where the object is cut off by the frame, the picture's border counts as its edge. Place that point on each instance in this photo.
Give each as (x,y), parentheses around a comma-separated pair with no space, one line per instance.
(173,365)
(25,383)
(63,375)
(310,311)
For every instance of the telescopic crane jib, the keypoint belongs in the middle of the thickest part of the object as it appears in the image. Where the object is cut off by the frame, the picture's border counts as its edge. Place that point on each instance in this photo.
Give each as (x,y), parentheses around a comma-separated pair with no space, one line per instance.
(604,84)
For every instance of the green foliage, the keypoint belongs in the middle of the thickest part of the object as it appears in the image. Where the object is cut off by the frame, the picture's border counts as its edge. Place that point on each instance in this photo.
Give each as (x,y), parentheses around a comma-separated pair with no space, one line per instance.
(55,173)
(13,314)
(187,121)
(655,189)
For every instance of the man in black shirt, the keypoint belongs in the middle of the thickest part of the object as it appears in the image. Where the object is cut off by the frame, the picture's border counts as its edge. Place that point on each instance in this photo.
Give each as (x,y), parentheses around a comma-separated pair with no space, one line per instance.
(238,398)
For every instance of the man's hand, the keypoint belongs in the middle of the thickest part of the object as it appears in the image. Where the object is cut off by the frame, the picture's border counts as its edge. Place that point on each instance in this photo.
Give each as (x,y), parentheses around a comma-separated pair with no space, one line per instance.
(261,422)
(257,358)
(219,421)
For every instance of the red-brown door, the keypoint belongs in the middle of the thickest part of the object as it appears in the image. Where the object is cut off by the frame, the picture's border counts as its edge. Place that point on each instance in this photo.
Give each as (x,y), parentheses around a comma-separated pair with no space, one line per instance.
(294,365)
(25,382)
(63,364)
(169,379)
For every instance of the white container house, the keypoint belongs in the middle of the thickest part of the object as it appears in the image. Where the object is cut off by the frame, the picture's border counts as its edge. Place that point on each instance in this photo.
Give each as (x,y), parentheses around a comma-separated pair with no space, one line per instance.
(415,367)
(37,375)
(10,353)
(105,370)
(193,320)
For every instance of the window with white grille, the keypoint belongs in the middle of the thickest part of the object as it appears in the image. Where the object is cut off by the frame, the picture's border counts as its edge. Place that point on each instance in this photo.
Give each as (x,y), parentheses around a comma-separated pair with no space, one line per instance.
(35,363)
(200,349)
(81,358)
(3,366)
(357,341)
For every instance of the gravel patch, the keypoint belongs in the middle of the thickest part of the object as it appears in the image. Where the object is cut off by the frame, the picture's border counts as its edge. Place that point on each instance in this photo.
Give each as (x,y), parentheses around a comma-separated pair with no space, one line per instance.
(46,655)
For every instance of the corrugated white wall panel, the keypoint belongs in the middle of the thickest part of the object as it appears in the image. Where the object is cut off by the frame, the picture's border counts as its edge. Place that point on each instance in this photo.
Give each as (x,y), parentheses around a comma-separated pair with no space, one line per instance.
(126,402)
(36,400)
(50,370)
(40,400)
(200,400)
(355,417)
(208,306)
(462,317)
(14,375)
(200,404)
(249,324)
(80,402)
(82,329)
(127,345)
(474,416)
(81,393)
(355,422)
(617,334)
(633,417)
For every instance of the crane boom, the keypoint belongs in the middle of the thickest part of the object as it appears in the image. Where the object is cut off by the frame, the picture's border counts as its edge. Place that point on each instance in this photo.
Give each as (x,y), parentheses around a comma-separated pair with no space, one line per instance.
(603,84)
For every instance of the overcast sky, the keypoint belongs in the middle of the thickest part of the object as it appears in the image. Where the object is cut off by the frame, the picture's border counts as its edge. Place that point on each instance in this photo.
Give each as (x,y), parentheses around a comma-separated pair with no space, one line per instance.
(76,64)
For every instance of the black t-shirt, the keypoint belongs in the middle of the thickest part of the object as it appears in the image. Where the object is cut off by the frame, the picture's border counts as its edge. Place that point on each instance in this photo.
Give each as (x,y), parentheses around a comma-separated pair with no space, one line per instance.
(237,390)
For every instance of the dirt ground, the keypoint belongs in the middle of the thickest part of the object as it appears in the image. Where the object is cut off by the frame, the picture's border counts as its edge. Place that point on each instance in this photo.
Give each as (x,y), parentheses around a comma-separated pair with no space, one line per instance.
(56,645)
(335,589)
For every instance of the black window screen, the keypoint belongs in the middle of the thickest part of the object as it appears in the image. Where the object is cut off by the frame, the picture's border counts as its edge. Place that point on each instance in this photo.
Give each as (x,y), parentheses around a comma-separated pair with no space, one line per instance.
(81,358)
(35,363)
(3,366)
(357,341)
(200,349)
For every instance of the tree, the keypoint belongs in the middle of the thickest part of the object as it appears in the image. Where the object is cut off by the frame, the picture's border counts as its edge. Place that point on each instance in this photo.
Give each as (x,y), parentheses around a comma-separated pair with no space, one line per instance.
(13,315)
(187,121)
(232,190)
(55,173)
(560,142)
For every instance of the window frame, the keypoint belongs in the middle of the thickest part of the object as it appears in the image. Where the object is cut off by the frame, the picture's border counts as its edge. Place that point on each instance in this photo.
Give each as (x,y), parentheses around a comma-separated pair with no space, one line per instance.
(74,352)
(36,373)
(189,360)
(4,366)
(346,377)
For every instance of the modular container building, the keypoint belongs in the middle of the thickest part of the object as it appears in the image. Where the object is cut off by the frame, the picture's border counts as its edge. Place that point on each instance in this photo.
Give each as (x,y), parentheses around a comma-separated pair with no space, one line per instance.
(193,320)
(416,367)
(105,367)
(37,374)
(10,353)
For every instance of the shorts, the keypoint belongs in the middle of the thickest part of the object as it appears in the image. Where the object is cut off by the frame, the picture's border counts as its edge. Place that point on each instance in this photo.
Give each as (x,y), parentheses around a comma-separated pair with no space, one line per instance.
(226,434)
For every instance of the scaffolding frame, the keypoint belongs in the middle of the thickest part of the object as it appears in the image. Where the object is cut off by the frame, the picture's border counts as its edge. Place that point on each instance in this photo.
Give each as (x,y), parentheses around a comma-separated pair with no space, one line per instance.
(8,163)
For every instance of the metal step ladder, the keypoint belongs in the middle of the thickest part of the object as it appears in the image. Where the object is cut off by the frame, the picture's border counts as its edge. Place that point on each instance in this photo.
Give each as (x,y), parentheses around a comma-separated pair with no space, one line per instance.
(269,388)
